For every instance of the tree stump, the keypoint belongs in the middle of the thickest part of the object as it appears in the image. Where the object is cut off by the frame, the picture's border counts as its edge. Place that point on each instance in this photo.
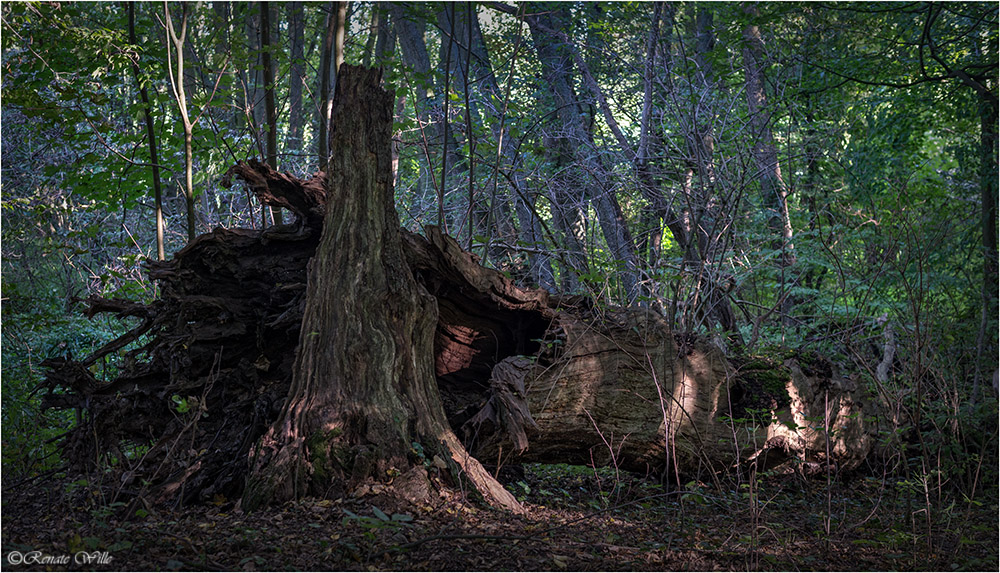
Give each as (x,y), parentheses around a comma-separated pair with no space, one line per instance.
(363,388)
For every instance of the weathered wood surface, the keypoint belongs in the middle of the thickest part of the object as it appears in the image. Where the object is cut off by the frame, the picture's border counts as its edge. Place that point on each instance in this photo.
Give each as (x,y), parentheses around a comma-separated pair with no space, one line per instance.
(223,336)
(616,386)
(305,199)
(522,374)
(363,388)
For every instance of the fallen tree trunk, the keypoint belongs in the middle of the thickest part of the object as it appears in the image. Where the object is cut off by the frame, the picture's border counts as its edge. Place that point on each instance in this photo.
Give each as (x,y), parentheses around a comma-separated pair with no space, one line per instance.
(528,376)
(522,375)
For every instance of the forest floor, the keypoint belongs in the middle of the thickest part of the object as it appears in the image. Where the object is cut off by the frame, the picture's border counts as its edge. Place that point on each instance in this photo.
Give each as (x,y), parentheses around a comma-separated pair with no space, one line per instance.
(577,519)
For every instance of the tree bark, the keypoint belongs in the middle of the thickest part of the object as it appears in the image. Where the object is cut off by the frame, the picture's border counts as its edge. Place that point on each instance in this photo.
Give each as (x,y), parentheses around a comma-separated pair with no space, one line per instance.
(363,388)
(270,108)
(454,58)
(773,191)
(175,46)
(338,42)
(151,135)
(452,67)
(568,383)
(233,98)
(326,57)
(296,74)
(374,26)
(256,114)
(409,31)
(385,40)
(986,345)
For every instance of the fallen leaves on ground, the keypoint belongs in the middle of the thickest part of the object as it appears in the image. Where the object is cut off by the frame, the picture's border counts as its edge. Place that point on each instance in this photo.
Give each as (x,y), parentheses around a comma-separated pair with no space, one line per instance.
(575,521)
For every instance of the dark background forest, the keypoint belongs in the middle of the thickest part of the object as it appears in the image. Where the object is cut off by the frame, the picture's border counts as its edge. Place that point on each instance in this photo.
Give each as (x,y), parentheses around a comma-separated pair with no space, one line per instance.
(765,176)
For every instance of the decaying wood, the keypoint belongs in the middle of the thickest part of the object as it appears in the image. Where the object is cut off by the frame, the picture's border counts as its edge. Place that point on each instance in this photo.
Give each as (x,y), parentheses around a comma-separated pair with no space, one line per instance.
(224,335)
(522,375)
(363,388)
(617,386)
(306,199)
(506,405)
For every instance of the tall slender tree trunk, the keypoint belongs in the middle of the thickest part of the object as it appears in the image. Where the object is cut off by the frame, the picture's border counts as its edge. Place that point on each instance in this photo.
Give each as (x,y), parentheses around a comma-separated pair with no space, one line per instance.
(175,47)
(326,57)
(296,75)
(374,25)
(773,191)
(151,135)
(988,185)
(385,41)
(453,21)
(409,31)
(986,345)
(239,14)
(226,114)
(568,203)
(256,114)
(654,214)
(555,55)
(331,58)
(454,62)
(651,141)
(364,387)
(270,108)
(338,43)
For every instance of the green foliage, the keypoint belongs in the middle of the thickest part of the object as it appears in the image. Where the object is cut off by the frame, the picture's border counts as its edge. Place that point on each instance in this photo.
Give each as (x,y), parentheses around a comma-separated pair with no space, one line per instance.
(878,140)
(29,337)
(381,520)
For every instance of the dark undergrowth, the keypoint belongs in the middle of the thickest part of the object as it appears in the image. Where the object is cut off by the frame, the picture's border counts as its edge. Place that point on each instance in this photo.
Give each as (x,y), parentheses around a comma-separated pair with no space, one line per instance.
(577,519)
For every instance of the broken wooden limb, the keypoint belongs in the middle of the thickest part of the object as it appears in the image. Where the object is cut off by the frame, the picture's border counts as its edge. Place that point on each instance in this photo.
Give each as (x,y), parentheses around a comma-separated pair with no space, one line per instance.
(305,198)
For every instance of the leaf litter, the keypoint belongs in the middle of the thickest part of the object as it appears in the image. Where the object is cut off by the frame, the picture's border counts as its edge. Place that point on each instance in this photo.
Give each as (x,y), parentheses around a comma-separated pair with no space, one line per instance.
(576,520)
